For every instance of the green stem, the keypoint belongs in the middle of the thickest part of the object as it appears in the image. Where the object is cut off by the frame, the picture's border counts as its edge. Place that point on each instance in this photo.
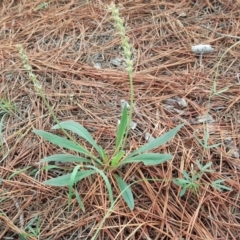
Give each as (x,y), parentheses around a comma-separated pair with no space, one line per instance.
(127,53)
(130,113)
(38,88)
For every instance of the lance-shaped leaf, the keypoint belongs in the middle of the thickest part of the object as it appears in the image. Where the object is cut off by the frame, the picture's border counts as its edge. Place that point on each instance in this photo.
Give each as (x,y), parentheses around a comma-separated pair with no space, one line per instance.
(65,158)
(105,178)
(61,142)
(204,168)
(217,185)
(79,200)
(125,191)
(122,127)
(115,160)
(156,142)
(71,183)
(80,131)
(148,159)
(65,179)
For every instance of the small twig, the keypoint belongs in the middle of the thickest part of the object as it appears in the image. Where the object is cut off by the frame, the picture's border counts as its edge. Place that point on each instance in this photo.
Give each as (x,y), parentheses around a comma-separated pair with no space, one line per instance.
(221,34)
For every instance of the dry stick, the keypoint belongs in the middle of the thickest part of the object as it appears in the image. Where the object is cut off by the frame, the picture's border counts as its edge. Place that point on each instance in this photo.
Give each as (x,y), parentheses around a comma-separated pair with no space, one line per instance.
(221,34)
(10,225)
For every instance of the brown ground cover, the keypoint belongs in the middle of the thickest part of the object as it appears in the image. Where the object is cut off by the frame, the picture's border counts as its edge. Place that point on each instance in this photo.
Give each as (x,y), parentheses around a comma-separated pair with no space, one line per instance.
(76,54)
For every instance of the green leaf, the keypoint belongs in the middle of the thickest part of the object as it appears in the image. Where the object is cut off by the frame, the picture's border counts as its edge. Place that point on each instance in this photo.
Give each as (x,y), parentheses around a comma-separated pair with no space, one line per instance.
(103,154)
(181,182)
(65,179)
(36,221)
(71,183)
(125,191)
(122,127)
(79,200)
(196,177)
(183,191)
(115,160)
(64,158)
(105,178)
(185,185)
(17,172)
(206,137)
(200,166)
(81,131)
(156,142)
(213,146)
(186,175)
(219,181)
(61,142)
(217,185)
(199,141)
(205,167)
(148,159)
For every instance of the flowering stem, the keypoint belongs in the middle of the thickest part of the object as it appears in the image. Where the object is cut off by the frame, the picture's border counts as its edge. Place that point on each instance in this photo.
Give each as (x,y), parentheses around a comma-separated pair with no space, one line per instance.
(39,90)
(130,74)
(127,53)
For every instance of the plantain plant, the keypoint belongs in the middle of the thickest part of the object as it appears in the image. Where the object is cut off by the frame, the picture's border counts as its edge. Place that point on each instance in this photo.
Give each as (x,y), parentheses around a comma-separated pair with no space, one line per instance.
(100,163)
